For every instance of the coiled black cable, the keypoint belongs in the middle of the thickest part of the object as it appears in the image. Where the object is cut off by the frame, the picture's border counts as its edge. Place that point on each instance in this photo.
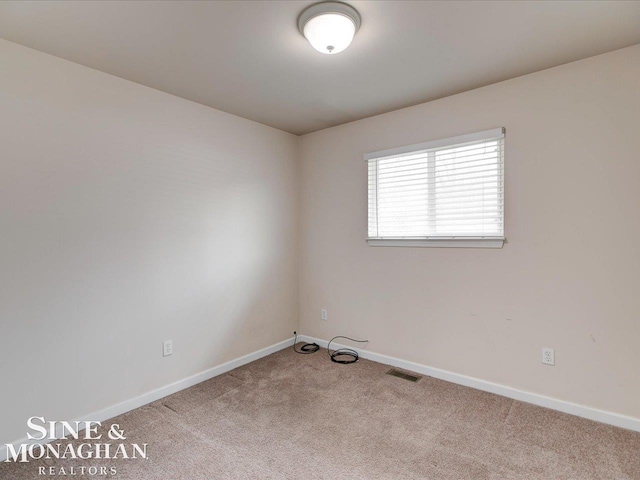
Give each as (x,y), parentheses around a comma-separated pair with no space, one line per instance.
(344,356)
(305,349)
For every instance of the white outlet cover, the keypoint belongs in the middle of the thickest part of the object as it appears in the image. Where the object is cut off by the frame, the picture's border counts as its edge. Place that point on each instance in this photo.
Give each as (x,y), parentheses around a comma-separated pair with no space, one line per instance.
(548,356)
(167,348)
(323,314)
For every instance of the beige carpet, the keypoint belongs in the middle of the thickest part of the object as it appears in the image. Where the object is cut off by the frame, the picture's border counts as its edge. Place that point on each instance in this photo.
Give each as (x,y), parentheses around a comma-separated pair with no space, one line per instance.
(290,416)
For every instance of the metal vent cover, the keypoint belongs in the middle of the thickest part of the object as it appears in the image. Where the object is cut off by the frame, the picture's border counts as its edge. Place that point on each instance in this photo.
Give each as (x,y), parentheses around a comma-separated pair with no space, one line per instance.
(405,376)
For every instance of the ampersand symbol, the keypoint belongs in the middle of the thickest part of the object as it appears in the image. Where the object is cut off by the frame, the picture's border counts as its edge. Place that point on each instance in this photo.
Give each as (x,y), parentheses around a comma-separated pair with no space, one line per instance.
(115,433)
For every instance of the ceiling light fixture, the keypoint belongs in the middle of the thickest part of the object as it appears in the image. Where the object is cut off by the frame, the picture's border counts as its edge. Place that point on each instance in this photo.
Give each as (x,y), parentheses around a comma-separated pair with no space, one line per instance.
(329,26)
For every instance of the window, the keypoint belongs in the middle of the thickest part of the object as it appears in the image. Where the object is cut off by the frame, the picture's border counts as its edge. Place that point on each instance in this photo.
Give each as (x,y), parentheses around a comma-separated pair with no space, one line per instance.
(443,193)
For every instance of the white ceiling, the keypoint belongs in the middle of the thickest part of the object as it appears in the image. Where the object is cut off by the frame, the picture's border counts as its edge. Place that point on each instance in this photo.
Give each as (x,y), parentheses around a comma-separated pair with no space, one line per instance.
(247,58)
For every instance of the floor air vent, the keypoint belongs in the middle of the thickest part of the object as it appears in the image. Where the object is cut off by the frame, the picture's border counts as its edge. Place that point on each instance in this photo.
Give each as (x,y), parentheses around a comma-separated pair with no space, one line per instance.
(402,375)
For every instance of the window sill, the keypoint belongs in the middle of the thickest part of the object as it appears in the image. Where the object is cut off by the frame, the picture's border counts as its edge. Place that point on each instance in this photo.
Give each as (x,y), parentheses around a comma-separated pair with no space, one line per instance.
(477,242)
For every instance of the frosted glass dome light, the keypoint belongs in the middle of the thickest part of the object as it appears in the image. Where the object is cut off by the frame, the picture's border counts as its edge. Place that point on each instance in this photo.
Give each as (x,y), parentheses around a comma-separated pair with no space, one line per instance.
(329,26)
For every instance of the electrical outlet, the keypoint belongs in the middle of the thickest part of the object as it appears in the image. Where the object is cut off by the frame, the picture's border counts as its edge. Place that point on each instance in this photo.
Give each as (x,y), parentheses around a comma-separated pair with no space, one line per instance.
(548,356)
(323,314)
(167,348)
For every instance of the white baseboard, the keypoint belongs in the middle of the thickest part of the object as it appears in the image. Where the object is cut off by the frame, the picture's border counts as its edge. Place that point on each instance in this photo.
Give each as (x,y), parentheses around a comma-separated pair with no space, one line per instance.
(584,411)
(602,416)
(152,396)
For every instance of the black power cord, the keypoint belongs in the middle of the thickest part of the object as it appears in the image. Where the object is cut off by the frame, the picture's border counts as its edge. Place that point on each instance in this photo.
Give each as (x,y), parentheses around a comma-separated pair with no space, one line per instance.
(344,356)
(305,349)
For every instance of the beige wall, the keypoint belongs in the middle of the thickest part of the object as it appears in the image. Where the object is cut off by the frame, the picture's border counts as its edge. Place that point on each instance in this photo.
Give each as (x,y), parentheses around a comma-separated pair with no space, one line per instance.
(128,217)
(569,276)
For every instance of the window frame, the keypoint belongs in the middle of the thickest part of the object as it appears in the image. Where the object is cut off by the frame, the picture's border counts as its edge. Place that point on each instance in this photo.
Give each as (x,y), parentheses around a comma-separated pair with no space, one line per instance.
(445,241)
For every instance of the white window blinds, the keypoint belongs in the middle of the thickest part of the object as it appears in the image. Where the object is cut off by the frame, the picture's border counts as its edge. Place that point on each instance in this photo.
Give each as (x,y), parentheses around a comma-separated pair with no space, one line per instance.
(446,190)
